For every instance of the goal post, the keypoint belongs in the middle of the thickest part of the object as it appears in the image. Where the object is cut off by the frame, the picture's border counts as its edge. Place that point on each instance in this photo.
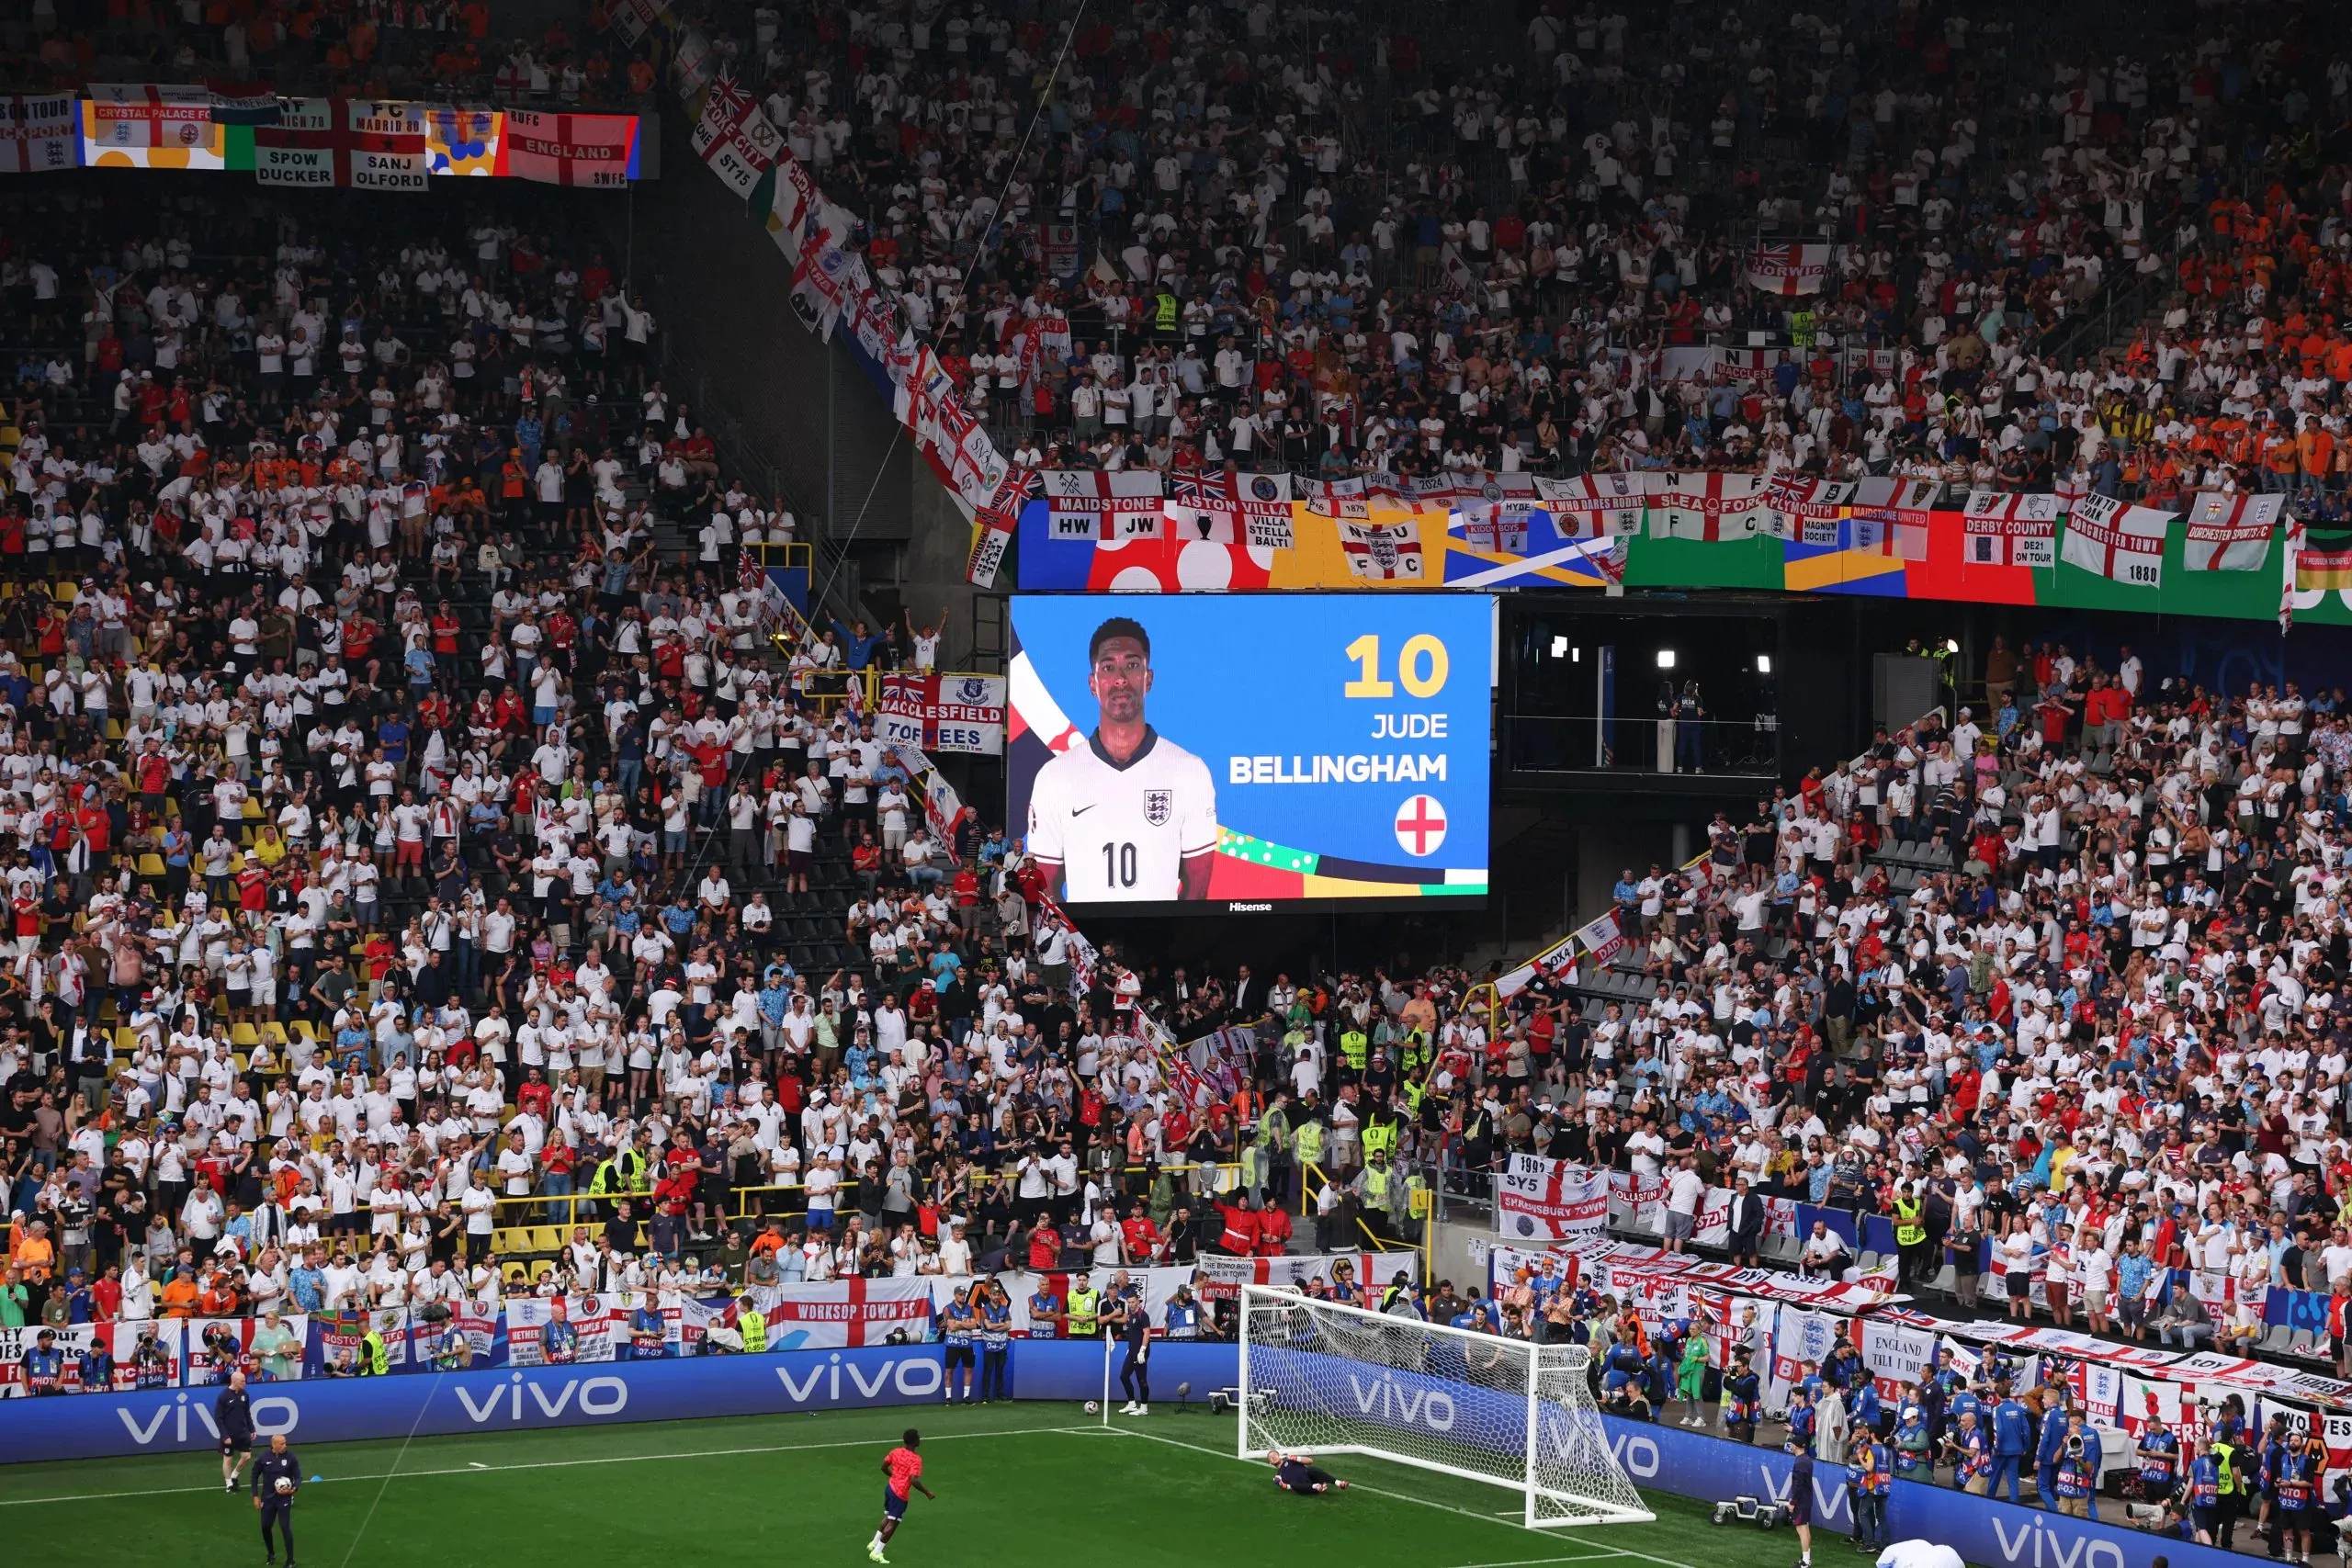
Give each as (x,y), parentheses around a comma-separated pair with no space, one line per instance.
(1317,1378)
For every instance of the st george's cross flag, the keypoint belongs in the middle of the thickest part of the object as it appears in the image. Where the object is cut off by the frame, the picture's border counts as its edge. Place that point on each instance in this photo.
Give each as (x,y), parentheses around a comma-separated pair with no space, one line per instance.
(1888,516)
(2119,541)
(1709,506)
(1102,504)
(1596,506)
(2230,533)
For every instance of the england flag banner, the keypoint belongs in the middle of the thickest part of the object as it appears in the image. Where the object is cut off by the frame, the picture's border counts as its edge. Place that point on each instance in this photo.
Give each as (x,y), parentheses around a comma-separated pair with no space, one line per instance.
(2230,533)
(556,1331)
(1602,939)
(1806,509)
(1383,552)
(1709,507)
(1889,516)
(2120,542)
(1550,1200)
(845,1313)
(1596,506)
(2003,529)
(38,134)
(1103,506)
(1789,268)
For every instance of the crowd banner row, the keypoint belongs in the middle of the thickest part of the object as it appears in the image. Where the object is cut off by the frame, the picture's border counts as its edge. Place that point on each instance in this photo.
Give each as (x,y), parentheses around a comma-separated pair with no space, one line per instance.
(1658,1458)
(373,144)
(586,1328)
(1789,1321)
(2236,555)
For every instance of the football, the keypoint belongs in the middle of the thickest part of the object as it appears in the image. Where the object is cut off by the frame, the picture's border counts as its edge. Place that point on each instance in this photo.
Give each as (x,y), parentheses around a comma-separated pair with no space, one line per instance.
(285,1485)
(1092,1408)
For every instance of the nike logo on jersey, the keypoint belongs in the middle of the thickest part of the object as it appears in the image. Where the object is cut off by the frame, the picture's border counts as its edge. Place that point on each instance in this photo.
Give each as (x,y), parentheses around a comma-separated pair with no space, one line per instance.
(1083,810)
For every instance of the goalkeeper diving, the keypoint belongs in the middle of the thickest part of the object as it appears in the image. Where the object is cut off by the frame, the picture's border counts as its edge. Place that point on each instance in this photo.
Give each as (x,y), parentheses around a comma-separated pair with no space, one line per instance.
(1300,1476)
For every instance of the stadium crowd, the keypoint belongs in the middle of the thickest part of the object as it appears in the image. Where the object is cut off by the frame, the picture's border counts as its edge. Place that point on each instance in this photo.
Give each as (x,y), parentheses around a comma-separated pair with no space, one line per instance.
(1409,251)
(398,832)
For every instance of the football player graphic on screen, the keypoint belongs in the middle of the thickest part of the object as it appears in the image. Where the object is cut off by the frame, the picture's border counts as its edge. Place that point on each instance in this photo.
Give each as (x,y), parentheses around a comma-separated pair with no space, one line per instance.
(1128,815)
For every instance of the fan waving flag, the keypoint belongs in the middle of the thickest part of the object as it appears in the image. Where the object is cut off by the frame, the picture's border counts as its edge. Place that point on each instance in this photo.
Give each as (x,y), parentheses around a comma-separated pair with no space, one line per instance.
(2231,533)
(1709,507)
(2120,542)
(1789,268)
(2003,529)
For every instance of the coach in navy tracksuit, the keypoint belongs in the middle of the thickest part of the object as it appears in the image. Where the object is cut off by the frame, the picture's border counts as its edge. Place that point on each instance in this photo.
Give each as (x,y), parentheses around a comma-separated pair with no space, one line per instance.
(278,1477)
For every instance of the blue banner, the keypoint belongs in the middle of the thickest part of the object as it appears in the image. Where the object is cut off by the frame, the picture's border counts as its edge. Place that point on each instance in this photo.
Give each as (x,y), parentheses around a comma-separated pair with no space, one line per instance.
(334,1410)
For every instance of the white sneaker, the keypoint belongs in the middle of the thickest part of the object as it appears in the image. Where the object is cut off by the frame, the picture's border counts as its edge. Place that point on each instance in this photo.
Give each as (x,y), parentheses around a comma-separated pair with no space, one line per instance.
(1128,1408)
(1142,1410)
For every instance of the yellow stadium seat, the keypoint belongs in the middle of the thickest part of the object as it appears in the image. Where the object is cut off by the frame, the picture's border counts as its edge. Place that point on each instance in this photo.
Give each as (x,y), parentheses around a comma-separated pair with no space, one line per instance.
(152,864)
(274,1031)
(125,1040)
(66,590)
(302,1027)
(243,1036)
(252,810)
(517,1274)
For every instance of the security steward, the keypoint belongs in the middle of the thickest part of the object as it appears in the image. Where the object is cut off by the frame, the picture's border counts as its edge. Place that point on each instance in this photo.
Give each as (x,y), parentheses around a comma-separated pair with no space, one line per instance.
(278,1477)
(1910,1230)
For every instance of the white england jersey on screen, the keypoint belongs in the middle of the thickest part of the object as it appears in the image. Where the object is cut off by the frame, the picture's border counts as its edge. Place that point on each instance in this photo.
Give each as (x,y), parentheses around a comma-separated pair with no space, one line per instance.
(1121,833)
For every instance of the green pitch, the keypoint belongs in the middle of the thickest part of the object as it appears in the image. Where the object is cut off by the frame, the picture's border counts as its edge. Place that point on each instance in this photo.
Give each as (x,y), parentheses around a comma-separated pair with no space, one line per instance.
(1018,1484)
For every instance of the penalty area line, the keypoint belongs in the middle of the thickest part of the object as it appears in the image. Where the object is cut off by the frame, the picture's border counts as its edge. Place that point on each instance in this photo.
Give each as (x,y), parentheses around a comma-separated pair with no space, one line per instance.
(475,1467)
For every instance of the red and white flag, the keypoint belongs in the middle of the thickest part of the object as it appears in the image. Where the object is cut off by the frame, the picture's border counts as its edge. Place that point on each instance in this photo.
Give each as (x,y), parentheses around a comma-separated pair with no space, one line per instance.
(1384,552)
(1709,506)
(1336,498)
(1806,510)
(1789,268)
(993,523)
(2007,529)
(1596,506)
(1494,509)
(306,146)
(37,133)
(1102,504)
(845,1313)
(596,151)
(143,117)
(1889,516)
(2120,542)
(1602,940)
(2231,533)
(386,143)
(1550,1200)
(1245,509)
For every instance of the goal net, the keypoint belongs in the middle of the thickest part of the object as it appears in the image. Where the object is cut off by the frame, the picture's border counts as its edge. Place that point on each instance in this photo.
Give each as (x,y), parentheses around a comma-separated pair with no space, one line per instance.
(1317,1378)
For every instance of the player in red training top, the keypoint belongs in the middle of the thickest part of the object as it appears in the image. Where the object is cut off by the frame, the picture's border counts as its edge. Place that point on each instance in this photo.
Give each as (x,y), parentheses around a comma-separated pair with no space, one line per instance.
(904,1468)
